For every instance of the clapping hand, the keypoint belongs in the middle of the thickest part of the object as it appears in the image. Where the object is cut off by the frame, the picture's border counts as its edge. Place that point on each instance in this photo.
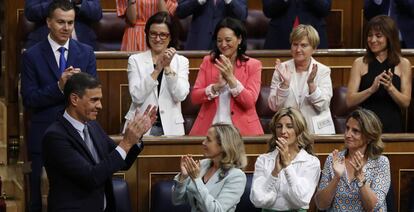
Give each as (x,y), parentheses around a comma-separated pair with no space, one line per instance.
(386,79)
(167,57)
(191,166)
(283,147)
(338,164)
(225,66)
(377,82)
(138,126)
(357,162)
(67,73)
(284,74)
(311,78)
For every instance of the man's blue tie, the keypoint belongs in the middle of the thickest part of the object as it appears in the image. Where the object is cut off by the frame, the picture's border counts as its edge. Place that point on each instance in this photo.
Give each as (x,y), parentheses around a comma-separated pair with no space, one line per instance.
(62,60)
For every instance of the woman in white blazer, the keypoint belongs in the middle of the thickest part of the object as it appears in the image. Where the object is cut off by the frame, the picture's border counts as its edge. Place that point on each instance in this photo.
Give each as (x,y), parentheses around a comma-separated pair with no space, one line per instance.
(159,77)
(303,82)
(286,177)
(217,182)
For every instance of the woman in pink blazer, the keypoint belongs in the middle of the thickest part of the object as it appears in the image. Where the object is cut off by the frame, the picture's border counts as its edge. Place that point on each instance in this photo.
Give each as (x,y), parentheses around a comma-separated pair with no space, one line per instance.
(228,83)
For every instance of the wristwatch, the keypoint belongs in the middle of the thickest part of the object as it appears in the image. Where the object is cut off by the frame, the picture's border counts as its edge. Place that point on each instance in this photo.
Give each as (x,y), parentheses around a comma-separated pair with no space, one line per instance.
(361,183)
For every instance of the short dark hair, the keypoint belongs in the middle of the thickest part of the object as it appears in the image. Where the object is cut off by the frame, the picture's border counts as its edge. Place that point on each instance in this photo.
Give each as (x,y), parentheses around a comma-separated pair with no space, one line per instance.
(239,30)
(64,5)
(389,29)
(161,18)
(78,83)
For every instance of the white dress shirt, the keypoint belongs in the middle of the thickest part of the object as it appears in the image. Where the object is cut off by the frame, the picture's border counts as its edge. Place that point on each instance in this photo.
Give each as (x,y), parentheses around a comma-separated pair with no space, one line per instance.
(292,189)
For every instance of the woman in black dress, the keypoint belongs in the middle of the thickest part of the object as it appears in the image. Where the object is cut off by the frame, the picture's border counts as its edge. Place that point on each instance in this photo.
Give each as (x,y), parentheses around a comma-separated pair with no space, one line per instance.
(381,80)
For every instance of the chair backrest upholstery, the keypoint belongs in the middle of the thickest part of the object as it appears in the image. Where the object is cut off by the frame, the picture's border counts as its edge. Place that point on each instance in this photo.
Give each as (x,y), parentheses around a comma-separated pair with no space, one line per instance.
(161,198)
(262,108)
(339,109)
(121,195)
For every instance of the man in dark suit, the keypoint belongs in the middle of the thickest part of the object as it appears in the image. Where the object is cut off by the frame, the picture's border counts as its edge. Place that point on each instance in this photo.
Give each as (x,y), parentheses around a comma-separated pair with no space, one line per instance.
(87,12)
(284,14)
(206,14)
(80,158)
(402,11)
(45,67)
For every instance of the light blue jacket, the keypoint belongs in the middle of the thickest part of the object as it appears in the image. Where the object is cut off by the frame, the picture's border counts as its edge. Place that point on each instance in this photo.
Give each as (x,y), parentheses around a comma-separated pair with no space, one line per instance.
(215,195)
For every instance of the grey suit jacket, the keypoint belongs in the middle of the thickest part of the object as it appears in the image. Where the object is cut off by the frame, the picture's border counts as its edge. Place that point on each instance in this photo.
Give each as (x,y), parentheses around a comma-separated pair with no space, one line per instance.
(215,195)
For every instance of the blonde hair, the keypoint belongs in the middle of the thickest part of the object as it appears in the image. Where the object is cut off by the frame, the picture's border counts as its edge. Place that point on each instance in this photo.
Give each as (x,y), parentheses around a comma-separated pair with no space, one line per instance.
(302,31)
(303,137)
(233,152)
(371,129)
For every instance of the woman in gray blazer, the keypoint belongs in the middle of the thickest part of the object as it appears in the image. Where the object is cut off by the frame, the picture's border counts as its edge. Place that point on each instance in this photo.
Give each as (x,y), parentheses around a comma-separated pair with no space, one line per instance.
(217,182)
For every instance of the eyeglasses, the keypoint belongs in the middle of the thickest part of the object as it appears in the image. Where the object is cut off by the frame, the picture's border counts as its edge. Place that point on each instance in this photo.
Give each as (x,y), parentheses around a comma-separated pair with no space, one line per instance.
(162,35)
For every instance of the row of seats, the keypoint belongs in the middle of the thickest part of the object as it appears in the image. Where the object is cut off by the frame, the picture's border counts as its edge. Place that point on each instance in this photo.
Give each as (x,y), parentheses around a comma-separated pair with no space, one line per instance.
(338,107)
(161,193)
(110,29)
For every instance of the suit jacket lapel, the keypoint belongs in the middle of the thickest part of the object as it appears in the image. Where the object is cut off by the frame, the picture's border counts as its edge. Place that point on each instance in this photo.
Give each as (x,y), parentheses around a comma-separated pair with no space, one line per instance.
(149,67)
(73,52)
(75,135)
(49,56)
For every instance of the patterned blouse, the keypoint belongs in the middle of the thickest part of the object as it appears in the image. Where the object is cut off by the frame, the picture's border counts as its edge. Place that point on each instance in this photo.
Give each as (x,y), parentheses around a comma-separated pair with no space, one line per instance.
(134,36)
(347,198)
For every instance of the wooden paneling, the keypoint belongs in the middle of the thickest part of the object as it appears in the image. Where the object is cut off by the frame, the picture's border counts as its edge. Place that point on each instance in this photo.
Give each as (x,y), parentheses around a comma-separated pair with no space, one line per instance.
(161,156)
(112,72)
(346,17)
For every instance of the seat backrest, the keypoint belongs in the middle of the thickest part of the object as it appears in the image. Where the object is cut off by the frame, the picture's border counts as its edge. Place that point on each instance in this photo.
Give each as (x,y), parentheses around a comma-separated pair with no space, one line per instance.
(339,109)
(245,205)
(161,198)
(121,195)
(161,195)
(190,112)
(256,27)
(109,31)
(262,108)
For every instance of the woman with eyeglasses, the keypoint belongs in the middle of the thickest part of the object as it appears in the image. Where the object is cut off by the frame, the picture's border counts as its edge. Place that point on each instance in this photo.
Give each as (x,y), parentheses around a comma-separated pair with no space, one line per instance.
(358,177)
(303,82)
(286,177)
(217,182)
(159,76)
(136,14)
(228,83)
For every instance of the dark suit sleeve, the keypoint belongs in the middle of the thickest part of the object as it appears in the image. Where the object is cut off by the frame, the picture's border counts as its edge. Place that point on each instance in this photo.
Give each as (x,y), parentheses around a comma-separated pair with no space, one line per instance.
(61,156)
(405,6)
(131,155)
(35,95)
(274,8)
(371,9)
(187,7)
(320,8)
(36,10)
(237,9)
(91,68)
(90,10)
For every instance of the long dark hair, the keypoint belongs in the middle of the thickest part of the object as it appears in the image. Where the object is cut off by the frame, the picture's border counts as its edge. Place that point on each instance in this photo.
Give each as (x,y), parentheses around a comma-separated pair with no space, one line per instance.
(389,29)
(239,30)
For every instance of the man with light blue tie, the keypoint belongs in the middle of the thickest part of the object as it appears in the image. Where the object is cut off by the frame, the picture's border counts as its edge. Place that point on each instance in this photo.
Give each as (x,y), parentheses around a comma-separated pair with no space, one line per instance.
(402,11)
(45,68)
